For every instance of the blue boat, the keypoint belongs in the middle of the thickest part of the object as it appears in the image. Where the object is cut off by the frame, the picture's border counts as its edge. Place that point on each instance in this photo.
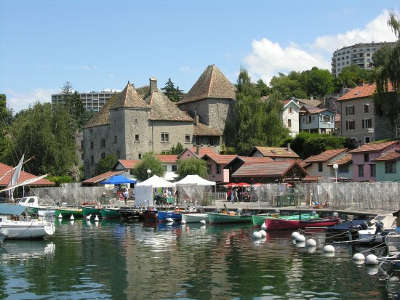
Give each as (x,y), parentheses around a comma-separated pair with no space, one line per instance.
(164,215)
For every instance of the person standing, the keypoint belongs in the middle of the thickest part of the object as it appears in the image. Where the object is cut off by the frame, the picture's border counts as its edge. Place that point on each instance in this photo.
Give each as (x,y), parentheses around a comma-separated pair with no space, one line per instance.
(126,194)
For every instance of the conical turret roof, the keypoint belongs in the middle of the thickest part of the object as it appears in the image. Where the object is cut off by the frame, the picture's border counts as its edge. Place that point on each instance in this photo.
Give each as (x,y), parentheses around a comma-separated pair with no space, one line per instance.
(211,84)
(129,98)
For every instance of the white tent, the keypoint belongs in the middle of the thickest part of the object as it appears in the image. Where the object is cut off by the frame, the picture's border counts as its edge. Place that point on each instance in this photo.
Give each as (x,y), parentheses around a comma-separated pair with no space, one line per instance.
(156,182)
(195,180)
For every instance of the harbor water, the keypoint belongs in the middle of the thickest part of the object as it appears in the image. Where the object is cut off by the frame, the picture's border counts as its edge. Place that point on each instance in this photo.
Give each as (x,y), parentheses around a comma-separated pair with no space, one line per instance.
(112,260)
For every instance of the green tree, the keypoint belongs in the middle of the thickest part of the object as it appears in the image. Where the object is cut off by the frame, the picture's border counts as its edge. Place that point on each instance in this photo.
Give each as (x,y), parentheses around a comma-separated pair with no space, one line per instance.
(288,86)
(148,162)
(106,164)
(192,166)
(317,82)
(262,88)
(74,105)
(387,78)
(5,121)
(178,149)
(352,76)
(48,135)
(173,93)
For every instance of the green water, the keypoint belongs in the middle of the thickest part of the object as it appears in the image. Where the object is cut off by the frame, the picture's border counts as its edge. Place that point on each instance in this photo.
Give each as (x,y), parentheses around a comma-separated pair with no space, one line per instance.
(131,261)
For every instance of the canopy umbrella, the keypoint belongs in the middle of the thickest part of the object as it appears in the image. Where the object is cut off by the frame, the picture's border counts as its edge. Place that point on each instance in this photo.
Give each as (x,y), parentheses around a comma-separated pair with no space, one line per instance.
(243,184)
(230,185)
(118,179)
(195,180)
(156,182)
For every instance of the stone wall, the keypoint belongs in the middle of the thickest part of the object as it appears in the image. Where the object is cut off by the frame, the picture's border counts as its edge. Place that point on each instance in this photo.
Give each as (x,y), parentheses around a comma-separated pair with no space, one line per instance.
(176,132)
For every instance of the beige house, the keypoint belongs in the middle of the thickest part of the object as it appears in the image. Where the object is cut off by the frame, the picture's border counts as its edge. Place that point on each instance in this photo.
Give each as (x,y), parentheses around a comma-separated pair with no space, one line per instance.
(290,116)
(321,165)
(358,118)
(137,121)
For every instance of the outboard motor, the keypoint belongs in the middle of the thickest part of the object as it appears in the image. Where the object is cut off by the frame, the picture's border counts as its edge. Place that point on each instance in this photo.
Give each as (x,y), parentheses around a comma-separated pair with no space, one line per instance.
(379,227)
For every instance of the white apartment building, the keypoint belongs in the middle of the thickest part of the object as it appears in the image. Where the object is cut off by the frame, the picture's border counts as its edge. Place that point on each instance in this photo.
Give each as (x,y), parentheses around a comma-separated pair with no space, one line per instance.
(358,54)
(93,100)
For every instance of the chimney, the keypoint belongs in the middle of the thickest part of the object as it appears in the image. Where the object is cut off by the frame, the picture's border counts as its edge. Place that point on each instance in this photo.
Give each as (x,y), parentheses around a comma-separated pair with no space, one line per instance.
(153,85)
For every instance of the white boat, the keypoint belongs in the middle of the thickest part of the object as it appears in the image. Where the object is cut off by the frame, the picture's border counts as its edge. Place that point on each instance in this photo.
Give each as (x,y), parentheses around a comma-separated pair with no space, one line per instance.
(194,218)
(32,203)
(31,229)
(381,224)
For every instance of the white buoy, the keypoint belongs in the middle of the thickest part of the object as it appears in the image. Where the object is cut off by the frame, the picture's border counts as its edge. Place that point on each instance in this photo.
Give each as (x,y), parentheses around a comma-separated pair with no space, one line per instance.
(203,222)
(96,223)
(72,222)
(300,244)
(329,254)
(311,250)
(88,217)
(295,234)
(263,233)
(372,270)
(371,259)
(169,220)
(300,238)
(183,221)
(311,243)
(329,249)
(257,235)
(96,218)
(72,217)
(263,226)
(359,258)
(60,216)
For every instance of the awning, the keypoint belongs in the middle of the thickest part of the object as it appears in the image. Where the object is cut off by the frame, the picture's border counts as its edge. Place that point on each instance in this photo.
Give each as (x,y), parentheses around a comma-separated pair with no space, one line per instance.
(195,180)
(118,179)
(11,209)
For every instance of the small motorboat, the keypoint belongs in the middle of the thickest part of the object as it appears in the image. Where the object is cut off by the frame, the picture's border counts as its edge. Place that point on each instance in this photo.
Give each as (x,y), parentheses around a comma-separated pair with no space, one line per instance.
(228,217)
(380,226)
(194,217)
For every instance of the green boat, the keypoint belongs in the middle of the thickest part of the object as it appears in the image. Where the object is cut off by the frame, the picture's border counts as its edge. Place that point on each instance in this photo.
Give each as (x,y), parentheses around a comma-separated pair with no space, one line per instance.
(110,213)
(88,210)
(216,218)
(259,219)
(66,212)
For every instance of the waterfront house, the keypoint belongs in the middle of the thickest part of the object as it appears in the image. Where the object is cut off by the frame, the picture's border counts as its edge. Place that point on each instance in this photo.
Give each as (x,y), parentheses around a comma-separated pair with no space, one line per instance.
(270,172)
(358,118)
(216,166)
(290,116)
(275,153)
(168,161)
(239,161)
(388,166)
(345,167)
(319,165)
(364,164)
(316,120)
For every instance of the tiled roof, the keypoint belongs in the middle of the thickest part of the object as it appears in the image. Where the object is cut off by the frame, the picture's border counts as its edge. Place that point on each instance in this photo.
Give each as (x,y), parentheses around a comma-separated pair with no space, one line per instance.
(255,160)
(310,102)
(211,84)
(312,109)
(276,152)
(220,158)
(268,169)
(342,161)
(393,155)
(325,156)
(372,147)
(286,102)
(128,163)
(129,98)
(203,151)
(23,176)
(167,158)
(101,177)
(102,117)
(201,129)
(362,91)
(163,109)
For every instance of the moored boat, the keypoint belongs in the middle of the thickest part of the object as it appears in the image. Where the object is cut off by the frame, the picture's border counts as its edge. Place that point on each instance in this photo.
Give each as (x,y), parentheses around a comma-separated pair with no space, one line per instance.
(281,224)
(110,213)
(92,211)
(164,215)
(218,218)
(67,212)
(325,222)
(194,217)
(258,220)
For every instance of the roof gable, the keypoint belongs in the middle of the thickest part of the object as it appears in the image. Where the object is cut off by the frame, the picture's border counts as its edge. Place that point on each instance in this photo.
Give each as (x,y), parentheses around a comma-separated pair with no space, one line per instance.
(101,177)
(374,147)
(129,98)
(167,158)
(365,90)
(212,83)
(276,152)
(220,159)
(268,169)
(325,156)
(128,163)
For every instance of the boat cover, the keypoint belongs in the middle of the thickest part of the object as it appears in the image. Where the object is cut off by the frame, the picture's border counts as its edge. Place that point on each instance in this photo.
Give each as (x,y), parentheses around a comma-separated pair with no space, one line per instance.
(348,225)
(11,209)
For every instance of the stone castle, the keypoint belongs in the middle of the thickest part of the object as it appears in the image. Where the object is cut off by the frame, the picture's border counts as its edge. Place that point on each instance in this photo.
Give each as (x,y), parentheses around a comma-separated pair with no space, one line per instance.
(142,120)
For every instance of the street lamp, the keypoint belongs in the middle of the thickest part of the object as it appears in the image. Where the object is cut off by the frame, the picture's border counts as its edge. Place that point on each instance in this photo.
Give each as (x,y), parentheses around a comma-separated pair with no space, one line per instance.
(335,166)
(148,173)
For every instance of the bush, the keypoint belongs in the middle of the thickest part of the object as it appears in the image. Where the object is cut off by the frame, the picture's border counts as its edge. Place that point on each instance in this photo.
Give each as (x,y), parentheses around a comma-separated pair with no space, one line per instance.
(148,162)
(192,166)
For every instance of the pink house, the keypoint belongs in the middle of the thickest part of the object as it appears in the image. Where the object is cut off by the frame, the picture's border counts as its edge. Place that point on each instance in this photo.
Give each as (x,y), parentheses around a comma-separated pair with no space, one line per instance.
(364,168)
(196,152)
(215,166)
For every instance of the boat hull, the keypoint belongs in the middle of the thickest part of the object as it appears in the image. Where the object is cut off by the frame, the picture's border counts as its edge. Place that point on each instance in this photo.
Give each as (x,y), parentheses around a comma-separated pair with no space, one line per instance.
(26,229)
(110,213)
(164,215)
(258,220)
(319,223)
(281,224)
(93,211)
(215,218)
(194,218)
(68,212)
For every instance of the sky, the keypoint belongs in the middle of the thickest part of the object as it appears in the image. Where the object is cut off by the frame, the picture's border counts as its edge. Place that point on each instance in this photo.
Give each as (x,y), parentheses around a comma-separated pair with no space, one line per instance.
(102,44)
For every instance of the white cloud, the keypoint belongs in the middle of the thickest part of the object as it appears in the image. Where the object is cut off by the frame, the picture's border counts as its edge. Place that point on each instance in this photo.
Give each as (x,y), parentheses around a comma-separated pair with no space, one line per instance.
(22,100)
(268,58)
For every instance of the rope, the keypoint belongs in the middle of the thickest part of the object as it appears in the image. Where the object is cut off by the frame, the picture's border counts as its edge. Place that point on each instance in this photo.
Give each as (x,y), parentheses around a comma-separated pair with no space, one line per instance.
(377,246)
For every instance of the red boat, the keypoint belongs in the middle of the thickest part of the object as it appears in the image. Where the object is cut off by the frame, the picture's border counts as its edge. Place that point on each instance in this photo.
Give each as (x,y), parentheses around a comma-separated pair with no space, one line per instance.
(282,224)
(326,222)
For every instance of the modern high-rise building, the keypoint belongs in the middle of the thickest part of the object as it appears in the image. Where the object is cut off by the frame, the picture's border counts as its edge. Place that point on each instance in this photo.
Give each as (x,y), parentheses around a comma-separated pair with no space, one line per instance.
(358,54)
(93,101)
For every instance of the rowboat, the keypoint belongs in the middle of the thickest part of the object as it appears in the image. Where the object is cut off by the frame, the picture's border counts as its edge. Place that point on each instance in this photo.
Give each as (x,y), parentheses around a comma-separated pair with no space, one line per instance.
(164,215)
(282,224)
(217,218)
(110,213)
(194,218)
(66,212)
(259,219)
(325,222)
(89,210)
